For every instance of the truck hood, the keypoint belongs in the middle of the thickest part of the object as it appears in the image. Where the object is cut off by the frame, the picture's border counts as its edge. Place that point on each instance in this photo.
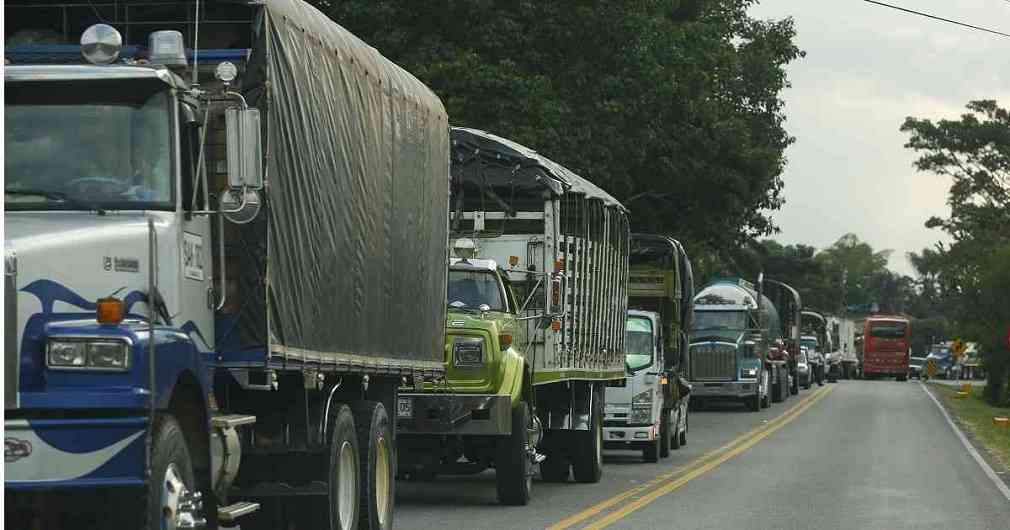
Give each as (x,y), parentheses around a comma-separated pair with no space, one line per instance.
(58,264)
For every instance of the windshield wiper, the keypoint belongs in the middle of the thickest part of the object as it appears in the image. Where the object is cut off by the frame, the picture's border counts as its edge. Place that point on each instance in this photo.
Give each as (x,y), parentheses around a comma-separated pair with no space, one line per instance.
(55,196)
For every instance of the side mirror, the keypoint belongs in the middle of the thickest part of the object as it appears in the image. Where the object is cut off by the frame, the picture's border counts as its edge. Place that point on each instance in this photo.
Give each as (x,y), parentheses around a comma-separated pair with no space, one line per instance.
(556,295)
(245,150)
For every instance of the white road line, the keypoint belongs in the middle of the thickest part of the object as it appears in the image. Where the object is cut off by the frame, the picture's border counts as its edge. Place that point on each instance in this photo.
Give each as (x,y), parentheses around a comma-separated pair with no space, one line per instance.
(1000,485)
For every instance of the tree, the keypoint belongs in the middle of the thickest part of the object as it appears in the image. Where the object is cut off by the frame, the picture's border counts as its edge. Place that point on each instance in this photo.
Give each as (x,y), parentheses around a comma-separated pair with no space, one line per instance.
(974,271)
(672,107)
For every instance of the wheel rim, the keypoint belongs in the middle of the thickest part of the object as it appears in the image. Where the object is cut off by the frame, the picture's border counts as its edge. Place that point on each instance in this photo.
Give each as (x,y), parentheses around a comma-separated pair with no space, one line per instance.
(180,507)
(348,484)
(382,480)
(599,445)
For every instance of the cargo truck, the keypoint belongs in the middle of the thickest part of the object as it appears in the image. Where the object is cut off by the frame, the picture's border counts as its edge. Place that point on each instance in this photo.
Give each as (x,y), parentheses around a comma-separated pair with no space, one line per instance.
(214,285)
(648,411)
(528,360)
(787,301)
(733,330)
(844,333)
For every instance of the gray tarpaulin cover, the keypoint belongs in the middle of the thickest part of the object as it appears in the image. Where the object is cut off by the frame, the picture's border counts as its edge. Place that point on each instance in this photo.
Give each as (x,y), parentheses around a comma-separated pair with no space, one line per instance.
(357,196)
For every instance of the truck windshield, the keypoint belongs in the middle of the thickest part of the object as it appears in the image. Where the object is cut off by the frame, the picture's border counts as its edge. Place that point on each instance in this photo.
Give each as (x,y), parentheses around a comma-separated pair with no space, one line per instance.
(709,320)
(472,289)
(72,144)
(887,330)
(638,343)
(810,344)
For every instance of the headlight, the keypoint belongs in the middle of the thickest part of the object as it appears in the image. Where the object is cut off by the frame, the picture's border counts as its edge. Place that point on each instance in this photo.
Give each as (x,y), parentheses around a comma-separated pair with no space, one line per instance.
(750,373)
(640,416)
(468,351)
(88,354)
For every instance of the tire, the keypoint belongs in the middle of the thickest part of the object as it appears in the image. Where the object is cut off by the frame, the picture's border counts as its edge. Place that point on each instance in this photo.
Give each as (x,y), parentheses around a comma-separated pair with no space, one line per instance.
(650,453)
(682,437)
(377,466)
(340,509)
(513,473)
(587,457)
(778,390)
(170,463)
(766,401)
(555,468)
(754,402)
(794,387)
(664,434)
(675,436)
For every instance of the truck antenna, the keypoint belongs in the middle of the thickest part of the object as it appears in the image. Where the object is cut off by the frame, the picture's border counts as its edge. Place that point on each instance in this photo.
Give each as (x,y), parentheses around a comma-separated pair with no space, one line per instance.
(196,41)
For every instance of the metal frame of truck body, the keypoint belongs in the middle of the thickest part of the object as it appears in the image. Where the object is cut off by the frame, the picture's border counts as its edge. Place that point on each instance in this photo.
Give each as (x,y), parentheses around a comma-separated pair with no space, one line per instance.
(211,388)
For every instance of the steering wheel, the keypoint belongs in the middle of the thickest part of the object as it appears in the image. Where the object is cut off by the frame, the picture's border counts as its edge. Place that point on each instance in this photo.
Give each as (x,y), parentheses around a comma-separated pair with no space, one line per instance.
(92,186)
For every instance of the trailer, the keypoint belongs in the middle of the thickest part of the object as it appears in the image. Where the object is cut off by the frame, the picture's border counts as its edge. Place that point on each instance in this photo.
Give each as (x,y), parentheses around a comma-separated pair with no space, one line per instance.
(215,283)
(528,360)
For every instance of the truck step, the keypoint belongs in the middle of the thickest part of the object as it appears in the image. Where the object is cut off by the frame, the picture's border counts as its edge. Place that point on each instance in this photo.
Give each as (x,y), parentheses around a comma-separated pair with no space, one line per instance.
(230,421)
(228,514)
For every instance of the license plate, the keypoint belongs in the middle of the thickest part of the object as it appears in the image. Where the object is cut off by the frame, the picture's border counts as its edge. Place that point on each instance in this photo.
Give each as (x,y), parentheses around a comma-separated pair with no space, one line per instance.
(404,408)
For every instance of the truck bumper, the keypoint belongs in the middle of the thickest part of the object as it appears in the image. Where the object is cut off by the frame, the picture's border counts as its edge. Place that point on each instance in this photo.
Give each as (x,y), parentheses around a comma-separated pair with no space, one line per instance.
(64,453)
(730,389)
(628,436)
(457,414)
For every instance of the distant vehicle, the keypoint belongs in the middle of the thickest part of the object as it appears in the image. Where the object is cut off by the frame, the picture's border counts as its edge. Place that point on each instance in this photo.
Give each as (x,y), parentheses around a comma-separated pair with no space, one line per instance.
(943,358)
(803,369)
(916,365)
(885,346)
(815,358)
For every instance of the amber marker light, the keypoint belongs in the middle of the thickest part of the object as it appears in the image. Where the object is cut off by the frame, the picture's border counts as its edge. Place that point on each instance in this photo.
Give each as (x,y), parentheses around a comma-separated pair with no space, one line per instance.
(513,261)
(110,311)
(505,341)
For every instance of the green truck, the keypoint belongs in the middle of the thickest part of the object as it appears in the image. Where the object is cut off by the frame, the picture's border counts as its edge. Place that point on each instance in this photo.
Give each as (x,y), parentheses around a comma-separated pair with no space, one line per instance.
(535,327)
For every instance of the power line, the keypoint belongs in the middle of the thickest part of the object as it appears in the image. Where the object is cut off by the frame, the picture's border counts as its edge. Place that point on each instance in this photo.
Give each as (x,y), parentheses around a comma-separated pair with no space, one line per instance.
(934,17)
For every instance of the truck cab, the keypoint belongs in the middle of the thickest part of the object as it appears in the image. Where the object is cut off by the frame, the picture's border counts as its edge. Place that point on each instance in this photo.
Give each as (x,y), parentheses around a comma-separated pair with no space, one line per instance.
(729,345)
(638,415)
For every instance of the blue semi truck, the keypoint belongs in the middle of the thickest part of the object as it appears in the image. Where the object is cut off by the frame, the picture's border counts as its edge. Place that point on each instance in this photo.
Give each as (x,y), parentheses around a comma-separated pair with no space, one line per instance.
(214,283)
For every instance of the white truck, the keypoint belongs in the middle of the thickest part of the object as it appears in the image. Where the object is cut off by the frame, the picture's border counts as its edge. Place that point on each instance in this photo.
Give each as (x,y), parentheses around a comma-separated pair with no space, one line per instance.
(649,410)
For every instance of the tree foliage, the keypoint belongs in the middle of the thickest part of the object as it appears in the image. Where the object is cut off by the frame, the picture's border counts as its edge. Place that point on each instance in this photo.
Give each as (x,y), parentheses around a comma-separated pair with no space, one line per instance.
(672,107)
(970,277)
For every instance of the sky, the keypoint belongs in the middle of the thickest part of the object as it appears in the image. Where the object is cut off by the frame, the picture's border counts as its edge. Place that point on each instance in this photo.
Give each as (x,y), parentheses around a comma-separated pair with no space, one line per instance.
(866,69)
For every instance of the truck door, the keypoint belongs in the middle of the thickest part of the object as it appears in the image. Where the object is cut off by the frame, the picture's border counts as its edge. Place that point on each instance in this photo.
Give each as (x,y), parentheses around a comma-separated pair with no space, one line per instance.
(196,249)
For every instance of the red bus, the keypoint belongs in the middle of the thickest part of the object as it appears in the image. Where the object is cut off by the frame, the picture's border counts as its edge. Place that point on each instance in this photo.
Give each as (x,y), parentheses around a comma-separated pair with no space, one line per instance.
(886,343)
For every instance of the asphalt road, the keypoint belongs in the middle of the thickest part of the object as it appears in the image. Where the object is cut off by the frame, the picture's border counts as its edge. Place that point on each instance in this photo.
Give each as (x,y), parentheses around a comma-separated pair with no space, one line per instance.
(857,454)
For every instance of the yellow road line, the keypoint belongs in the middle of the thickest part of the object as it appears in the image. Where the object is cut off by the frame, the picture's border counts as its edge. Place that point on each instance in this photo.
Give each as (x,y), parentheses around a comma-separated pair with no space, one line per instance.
(669,482)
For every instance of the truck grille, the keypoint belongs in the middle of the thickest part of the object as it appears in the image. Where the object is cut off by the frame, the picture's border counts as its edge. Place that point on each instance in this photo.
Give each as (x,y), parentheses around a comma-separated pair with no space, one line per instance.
(713,362)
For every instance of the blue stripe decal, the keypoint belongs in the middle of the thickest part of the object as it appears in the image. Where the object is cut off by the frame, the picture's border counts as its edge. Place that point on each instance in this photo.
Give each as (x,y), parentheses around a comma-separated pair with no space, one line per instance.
(85,436)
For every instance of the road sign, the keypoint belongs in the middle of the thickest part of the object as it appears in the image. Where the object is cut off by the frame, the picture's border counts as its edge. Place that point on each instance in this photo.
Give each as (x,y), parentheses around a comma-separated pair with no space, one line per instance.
(931,368)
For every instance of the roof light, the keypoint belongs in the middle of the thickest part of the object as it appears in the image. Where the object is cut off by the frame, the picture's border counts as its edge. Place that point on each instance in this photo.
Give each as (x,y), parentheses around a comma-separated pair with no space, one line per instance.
(465,248)
(101,44)
(226,72)
(166,48)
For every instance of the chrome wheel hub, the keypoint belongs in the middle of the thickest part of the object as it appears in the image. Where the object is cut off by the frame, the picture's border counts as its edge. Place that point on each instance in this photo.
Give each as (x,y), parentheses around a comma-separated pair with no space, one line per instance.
(180,507)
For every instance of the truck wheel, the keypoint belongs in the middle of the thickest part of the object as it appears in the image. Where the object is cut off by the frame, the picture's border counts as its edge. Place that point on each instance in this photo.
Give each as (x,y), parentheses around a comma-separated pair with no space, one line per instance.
(754,402)
(675,439)
(555,468)
(682,437)
(794,385)
(778,394)
(339,509)
(513,475)
(650,453)
(172,481)
(587,458)
(664,434)
(377,465)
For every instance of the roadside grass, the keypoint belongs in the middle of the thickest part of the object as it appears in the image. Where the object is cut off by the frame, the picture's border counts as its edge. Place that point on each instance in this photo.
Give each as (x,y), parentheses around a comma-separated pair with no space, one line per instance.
(976,416)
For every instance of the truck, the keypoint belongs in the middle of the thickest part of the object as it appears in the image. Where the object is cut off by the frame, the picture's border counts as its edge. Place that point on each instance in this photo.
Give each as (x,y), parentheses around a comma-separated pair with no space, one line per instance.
(885,346)
(844,331)
(648,411)
(732,333)
(214,284)
(787,301)
(818,342)
(526,377)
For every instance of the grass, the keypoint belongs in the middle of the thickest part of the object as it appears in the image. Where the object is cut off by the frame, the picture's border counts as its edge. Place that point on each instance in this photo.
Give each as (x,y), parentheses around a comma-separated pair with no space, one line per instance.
(975,416)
